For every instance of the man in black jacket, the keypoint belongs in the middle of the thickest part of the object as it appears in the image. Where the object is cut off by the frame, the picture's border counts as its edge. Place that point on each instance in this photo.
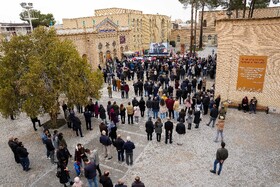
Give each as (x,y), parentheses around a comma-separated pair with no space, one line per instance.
(105,180)
(50,148)
(168,126)
(149,128)
(213,115)
(13,144)
(118,143)
(88,115)
(181,130)
(221,156)
(90,172)
(128,147)
(23,156)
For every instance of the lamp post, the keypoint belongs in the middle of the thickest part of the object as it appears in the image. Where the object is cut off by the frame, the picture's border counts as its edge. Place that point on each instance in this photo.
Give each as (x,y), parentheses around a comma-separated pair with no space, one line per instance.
(28,6)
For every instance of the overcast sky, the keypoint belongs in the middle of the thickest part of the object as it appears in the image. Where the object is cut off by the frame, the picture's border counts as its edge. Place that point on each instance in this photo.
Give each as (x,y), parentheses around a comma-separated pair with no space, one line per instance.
(10,9)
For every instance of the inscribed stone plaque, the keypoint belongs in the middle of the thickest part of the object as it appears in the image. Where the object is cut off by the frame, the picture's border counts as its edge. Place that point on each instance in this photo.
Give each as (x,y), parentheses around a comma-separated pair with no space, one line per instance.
(251,72)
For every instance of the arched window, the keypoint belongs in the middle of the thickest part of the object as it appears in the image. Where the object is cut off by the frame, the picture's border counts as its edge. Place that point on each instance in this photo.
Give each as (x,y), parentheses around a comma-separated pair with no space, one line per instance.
(178,38)
(204,23)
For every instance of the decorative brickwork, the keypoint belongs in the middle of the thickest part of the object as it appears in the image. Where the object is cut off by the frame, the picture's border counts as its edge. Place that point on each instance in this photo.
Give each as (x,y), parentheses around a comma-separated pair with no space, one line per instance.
(255,37)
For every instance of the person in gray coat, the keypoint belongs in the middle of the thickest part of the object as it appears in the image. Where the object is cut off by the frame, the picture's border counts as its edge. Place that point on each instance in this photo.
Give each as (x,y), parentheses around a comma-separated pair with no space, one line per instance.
(158,129)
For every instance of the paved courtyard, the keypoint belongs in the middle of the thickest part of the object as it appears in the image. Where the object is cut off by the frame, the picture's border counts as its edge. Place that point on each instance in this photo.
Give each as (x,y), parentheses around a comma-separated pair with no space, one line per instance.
(252,140)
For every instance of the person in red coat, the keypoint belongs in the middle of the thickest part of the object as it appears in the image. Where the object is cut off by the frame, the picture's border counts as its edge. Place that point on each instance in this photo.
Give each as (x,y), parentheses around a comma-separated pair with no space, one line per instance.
(169,105)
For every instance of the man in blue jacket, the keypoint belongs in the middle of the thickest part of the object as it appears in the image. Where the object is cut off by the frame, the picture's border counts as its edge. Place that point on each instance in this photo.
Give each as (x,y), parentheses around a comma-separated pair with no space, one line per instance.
(128,147)
(106,142)
(90,173)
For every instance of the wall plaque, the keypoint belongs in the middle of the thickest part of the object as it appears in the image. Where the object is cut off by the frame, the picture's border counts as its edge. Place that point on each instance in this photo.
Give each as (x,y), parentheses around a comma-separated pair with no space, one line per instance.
(251,73)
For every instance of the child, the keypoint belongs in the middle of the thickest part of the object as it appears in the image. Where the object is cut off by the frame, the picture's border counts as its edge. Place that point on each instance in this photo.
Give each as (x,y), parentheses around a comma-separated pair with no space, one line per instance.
(77,167)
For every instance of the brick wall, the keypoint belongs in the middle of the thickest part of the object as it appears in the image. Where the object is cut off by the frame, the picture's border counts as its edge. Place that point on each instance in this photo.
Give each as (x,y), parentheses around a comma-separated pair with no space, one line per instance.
(259,37)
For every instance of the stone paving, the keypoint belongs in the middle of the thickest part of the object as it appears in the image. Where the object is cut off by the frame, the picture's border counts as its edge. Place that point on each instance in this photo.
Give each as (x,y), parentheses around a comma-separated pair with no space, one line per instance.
(252,141)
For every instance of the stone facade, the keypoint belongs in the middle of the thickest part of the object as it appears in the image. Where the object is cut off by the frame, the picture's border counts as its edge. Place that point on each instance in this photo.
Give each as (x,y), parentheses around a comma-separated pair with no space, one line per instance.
(105,42)
(145,28)
(256,37)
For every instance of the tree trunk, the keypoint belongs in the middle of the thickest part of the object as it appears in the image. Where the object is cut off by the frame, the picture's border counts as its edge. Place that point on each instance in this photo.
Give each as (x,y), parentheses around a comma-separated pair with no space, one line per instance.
(191,41)
(236,12)
(244,8)
(196,5)
(201,27)
(53,116)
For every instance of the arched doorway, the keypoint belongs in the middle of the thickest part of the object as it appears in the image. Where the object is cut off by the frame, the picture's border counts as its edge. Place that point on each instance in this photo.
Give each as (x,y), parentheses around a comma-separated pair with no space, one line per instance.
(108,55)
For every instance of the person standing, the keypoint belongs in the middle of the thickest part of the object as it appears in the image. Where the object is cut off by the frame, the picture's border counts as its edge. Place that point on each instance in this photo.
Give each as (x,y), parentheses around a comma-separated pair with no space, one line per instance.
(122,113)
(76,124)
(181,130)
(102,113)
(34,120)
(190,119)
(23,156)
(119,146)
(50,148)
(13,144)
(79,153)
(94,157)
(168,126)
(176,109)
(130,113)
(88,115)
(149,105)
(109,88)
(106,142)
(137,182)
(63,170)
(197,117)
(220,128)
(128,147)
(221,156)
(213,115)
(142,106)
(105,180)
(90,173)
(149,129)
(136,114)
(158,129)
(126,89)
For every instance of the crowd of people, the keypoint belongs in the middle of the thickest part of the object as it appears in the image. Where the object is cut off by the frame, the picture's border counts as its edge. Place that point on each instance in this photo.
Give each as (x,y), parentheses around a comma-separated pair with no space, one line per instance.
(171,92)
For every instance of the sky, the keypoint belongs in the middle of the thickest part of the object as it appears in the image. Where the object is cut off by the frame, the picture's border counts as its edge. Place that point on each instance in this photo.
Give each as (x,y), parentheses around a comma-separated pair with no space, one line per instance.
(10,9)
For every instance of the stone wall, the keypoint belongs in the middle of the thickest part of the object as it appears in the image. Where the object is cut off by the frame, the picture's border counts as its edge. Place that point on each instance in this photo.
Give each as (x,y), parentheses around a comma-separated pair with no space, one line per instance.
(258,37)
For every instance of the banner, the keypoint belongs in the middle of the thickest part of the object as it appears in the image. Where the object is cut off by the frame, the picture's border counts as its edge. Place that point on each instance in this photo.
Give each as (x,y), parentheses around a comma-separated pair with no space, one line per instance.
(251,73)
(158,48)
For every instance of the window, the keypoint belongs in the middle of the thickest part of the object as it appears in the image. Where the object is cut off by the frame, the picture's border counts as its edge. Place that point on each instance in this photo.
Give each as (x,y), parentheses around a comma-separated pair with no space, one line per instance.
(204,23)
(209,37)
(214,23)
(93,22)
(84,23)
(117,22)
(178,38)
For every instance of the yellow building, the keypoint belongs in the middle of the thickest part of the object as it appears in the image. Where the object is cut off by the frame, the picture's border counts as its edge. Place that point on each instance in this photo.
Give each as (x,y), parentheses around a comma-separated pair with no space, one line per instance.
(110,32)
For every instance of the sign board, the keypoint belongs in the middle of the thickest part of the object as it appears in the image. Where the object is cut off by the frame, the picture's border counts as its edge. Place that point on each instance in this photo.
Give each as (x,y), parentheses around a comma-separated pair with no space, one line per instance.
(158,48)
(251,73)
